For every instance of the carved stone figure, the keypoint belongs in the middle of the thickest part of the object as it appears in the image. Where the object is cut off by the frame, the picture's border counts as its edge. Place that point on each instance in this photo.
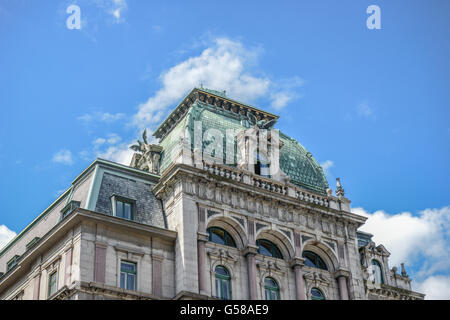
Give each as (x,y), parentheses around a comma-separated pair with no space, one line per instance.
(147,156)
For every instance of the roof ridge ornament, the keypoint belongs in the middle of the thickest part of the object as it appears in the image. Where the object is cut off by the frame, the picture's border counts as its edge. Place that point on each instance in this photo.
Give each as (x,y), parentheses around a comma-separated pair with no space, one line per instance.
(261,124)
(339,190)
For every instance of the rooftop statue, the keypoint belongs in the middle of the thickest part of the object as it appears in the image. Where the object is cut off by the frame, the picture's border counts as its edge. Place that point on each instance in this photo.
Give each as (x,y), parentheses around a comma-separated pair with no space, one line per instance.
(261,124)
(147,155)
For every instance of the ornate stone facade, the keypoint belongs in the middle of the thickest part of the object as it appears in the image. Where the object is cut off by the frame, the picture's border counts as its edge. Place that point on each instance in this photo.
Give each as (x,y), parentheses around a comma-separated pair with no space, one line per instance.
(159,214)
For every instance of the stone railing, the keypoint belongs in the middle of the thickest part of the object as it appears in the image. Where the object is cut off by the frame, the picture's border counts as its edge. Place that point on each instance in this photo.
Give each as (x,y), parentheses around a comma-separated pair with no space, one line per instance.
(264,183)
(268,184)
(312,198)
(223,171)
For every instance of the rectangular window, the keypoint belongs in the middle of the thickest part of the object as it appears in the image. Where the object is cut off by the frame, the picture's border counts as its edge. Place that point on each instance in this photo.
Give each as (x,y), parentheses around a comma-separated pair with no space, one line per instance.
(52,283)
(123,208)
(12,262)
(128,275)
(69,208)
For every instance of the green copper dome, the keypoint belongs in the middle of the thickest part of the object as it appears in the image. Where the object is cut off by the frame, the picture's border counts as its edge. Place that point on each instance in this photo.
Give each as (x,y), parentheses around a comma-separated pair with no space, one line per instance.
(299,164)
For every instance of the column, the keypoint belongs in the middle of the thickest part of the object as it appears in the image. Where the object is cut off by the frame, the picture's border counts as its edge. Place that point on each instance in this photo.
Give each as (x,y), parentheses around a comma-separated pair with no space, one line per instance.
(250,253)
(342,276)
(297,264)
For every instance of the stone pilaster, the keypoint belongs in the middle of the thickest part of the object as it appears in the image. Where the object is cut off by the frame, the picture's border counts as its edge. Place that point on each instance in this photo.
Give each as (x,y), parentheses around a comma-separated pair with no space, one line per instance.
(37,286)
(342,277)
(68,264)
(201,256)
(100,262)
(297,264)
(157,276)
(250,253)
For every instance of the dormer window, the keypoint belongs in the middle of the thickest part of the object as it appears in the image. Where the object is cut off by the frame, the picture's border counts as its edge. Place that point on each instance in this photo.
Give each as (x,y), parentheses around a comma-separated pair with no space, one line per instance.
(32,243)
(69,208)
(123,207)
(12,262)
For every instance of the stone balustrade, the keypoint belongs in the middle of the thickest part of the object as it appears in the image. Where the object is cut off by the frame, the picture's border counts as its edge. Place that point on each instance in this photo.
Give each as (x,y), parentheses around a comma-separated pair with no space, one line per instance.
(264,183)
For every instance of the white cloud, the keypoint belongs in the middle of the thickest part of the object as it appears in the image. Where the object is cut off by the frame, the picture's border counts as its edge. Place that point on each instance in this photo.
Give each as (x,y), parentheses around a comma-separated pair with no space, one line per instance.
(63,156)
(120,154)
(6,235)
(327,165)
(409,237)
(116,8)
(364,110)
(112,138)
(421,240)
(225,65)
(100,116)
(280,100)
(435,287)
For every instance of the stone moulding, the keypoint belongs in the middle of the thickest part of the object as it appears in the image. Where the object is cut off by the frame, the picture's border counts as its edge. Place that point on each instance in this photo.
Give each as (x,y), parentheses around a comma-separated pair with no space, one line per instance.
(238,194)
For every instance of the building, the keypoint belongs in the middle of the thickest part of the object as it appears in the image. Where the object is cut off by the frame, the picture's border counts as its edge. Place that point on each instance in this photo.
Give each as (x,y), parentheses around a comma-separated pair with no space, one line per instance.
(223,207)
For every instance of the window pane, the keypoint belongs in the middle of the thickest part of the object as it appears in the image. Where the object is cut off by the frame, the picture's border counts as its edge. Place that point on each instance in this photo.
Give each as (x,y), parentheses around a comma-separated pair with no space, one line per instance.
(52,284)
(122,280)
(128,267)
(376,269)
(225,289)
(119,209)
(218,288)
(131,283)
(264,250)
(221,271)
(274,295)
(217,236)
(316,294)
(127,213)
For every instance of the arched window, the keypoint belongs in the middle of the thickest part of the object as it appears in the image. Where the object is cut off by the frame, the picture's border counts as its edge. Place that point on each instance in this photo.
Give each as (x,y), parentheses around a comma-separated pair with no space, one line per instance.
(271,289)
(313,260)
(377,272)
(223,283)
(220,236)
(267,248)
(316,294)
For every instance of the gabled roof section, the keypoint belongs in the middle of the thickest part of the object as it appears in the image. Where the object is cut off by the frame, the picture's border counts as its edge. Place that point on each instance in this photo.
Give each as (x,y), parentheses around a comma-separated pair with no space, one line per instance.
(212,97)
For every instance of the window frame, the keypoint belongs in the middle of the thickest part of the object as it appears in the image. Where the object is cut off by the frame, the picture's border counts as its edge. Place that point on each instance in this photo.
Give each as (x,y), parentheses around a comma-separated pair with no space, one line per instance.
(273,249)
(132,202)
(376,263)
(226,234)
(316,259)
(69,208)
(268,289)
(11,263)
(320,291)
(49,284)
(126,273)
(219,279)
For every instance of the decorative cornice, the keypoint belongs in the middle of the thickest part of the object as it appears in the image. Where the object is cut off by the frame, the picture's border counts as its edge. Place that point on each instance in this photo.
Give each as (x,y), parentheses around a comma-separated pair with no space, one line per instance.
(217,101)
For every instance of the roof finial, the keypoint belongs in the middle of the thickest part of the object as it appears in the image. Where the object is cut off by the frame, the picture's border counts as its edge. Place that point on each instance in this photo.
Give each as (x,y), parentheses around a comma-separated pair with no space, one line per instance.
(339,190)
(404,274)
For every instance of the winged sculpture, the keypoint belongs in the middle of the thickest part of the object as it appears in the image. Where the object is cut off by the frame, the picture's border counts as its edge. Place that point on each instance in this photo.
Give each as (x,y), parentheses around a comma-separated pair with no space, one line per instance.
(262,124)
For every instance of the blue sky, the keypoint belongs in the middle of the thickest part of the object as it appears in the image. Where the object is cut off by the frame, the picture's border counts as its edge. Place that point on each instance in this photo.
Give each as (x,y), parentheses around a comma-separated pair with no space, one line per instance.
(371,105)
